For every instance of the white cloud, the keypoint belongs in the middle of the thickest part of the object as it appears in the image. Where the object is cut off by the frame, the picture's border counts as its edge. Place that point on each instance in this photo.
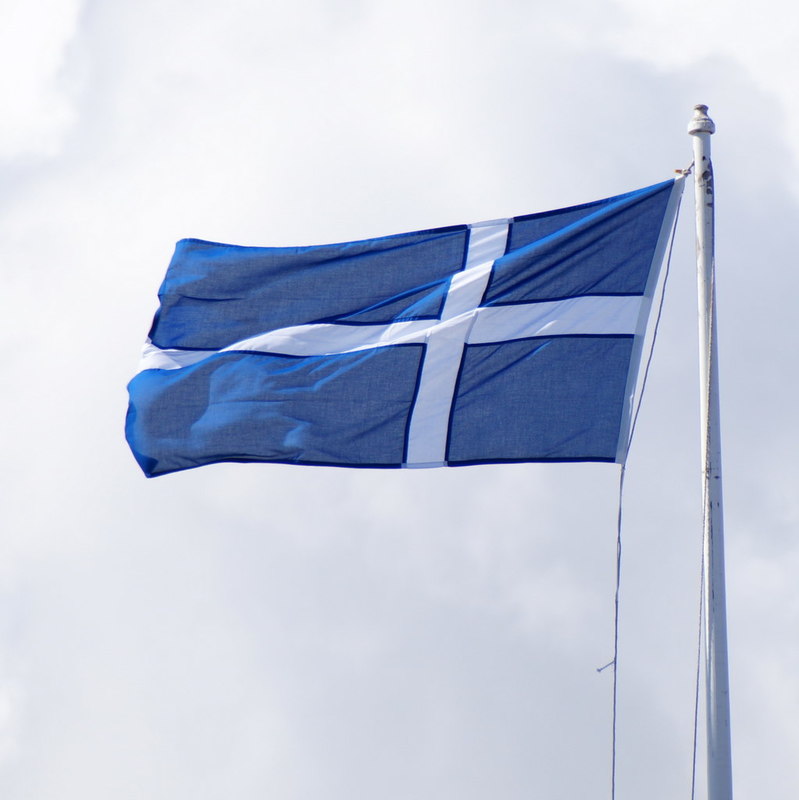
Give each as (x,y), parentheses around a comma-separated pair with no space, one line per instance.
(35,93)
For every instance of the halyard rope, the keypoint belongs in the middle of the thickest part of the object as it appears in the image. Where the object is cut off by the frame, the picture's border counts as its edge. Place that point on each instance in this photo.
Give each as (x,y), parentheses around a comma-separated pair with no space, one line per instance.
(615,661)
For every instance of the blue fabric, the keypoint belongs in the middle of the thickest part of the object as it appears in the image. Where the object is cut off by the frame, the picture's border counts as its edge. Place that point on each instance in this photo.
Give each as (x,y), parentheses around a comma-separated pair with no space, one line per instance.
(217,294)
(559,397)
(554,398)
(600,248)
(345,409)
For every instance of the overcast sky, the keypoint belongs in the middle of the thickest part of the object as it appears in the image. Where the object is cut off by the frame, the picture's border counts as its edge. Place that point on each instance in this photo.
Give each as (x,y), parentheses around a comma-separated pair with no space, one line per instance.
(261,631)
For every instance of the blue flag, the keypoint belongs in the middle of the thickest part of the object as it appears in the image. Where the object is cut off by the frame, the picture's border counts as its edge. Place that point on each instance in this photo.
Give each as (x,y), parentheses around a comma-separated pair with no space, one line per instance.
(511,340)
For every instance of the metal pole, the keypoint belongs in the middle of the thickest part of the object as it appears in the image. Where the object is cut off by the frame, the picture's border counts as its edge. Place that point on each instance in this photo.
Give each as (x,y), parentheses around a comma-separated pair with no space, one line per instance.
(717,684)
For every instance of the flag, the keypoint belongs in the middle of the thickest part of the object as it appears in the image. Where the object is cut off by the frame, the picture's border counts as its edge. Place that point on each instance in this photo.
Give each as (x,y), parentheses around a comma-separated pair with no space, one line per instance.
(503,341)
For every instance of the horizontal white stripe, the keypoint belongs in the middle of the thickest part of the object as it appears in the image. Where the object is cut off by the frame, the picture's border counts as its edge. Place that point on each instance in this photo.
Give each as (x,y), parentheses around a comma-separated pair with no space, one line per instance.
(326,339)
(600,316)
(572,317)
(153,357)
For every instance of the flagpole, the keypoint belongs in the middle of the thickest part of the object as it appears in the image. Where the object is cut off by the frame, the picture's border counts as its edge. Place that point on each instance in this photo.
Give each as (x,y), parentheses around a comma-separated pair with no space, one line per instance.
(717,685)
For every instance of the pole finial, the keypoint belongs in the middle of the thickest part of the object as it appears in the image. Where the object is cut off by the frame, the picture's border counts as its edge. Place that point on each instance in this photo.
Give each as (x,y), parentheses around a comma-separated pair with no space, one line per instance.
(701,122)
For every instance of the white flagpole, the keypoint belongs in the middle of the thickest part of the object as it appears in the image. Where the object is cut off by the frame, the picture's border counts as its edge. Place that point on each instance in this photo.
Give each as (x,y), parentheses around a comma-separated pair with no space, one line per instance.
(719,759)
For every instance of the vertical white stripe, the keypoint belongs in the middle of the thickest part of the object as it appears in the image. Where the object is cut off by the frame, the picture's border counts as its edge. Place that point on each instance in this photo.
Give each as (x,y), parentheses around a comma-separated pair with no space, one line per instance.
(427,434)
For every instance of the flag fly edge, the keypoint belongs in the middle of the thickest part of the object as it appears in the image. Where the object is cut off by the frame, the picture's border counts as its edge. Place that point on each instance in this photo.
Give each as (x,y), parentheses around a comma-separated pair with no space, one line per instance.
(633,390)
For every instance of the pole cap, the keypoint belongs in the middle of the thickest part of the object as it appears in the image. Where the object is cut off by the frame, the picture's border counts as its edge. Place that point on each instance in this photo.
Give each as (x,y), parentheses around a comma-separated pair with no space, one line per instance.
(701,122)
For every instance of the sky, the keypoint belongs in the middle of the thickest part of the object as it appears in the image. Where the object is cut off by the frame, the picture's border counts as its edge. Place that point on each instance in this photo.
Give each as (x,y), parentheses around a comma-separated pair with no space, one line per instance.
(298,633)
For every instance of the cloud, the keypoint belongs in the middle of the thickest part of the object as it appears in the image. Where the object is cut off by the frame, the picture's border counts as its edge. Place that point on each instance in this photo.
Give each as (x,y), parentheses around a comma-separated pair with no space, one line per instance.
(36,98)
(238,631)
